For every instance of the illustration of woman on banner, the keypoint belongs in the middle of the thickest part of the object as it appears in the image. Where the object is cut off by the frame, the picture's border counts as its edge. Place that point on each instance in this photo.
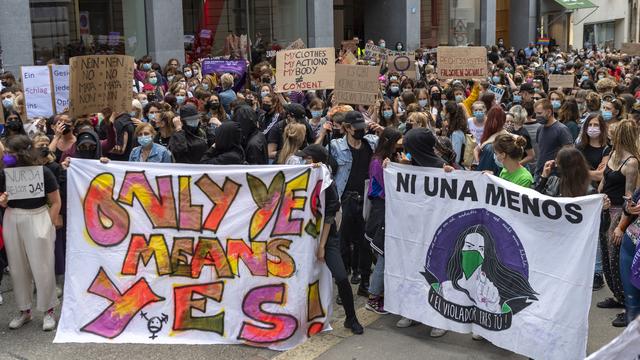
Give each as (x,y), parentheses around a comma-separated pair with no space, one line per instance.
(478,278)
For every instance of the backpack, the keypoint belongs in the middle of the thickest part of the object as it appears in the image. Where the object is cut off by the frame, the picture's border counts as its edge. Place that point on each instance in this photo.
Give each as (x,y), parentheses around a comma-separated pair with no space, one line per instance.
(469,145)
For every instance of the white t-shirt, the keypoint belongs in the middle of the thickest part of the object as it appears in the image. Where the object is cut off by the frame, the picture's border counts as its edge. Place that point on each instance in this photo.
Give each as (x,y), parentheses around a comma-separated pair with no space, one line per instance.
(476,131)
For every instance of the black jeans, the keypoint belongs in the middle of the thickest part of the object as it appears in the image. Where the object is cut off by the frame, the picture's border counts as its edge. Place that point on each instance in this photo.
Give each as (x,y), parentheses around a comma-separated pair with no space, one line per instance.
(356,253)
(333,259)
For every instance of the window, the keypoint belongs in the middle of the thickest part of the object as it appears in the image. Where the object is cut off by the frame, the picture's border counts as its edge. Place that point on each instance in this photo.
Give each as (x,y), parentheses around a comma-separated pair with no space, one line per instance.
(602,35)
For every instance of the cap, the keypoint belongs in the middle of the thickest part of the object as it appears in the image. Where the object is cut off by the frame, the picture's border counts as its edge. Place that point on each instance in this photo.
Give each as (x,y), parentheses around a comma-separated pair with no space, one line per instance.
(188,112)
(355,119)
(296,110)
(85,138)
(526,87)
(316,152)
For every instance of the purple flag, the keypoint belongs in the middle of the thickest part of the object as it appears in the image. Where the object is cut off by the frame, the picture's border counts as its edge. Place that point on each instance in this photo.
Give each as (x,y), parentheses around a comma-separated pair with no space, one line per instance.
(238,68)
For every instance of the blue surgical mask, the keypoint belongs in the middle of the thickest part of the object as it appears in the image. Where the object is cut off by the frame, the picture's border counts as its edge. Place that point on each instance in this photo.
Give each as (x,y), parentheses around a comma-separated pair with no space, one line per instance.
(263,94)
(459,98)
(394,89)
(180,100)
(144,103)
(479,115)
(607,115)
(151,116)
(517,99)
(145,140)
(170,78)
(495,79)
(153,81)
(584,78)
(7,103)
(387,114)
(133,114)
(316,113)
(556,104)
(423,103)
(495,158)
(383,45)
(188,74)
(205,86)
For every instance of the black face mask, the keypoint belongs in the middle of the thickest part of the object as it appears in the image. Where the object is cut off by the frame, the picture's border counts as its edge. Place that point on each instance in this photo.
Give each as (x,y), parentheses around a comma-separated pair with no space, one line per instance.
(14,125)
(542,120)
(213,105)
(436,97)
(266,107)
(336,134)
(358,134)
(266,80)
(4,84)
(67,129)
(85,154)
(44,151)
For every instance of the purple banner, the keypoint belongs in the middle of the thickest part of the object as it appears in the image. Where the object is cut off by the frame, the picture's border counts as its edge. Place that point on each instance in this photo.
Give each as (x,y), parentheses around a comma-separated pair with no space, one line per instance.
(238,68)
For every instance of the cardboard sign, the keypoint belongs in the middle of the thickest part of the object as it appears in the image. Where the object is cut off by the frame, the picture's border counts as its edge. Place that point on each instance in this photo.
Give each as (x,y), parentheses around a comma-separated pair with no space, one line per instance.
(60,81)
(356,84)
(350,46)
(631,49)
(37,90)
(498,92)
(296,45)
(561,81)
(99,81)
(375,52)
(349,59)
(306,69)
(462,62)
(430,51)
(24,182)
(402,64)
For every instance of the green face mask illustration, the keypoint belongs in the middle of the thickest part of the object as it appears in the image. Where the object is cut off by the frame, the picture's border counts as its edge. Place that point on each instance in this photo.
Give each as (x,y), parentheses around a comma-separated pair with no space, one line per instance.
(471,260)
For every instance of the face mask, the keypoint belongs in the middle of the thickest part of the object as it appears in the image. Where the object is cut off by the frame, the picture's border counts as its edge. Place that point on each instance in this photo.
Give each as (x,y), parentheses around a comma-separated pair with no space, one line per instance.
(409,126)
(509,127)
(264,93)
(180,100)
(9,160)
(193,123)
(151,117)
(584,78)
(495,79)
(144,103)
(600,77)
(383,45)
(316,113)
(436,97)
(336,134)
(495,158)
(145,140)
(44,151)
(153,81)
(556,104)
(471,260)
(542,120)
(423,103)
(517,99)
(146,66)
(188,74)
(213,105)
(7,103)
(593,132)
(14,125)
(394,89)
(552,69)
(393,78)
(170,78)
(85,154)
(399,47)
(133,114)
(387,114)
(607,115)
(205,86)
(479,115)
(358,134)
(266,107)
(459,98)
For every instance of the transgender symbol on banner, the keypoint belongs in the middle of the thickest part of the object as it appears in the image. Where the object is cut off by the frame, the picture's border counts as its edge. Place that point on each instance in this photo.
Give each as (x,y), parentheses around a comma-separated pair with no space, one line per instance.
(482,276)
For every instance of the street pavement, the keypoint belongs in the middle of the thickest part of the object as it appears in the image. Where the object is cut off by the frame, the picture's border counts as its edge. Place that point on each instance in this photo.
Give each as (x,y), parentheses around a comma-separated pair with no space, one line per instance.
(381,340)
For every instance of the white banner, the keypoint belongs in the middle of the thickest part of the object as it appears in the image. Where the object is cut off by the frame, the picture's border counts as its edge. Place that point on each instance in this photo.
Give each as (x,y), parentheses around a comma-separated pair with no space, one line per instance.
(470,252)
(37,90)
(60,77)
(624,347)
(192,254)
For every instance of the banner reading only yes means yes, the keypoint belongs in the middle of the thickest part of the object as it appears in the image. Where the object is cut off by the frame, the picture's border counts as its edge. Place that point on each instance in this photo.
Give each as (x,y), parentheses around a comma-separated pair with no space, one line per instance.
(470,252)
(194,255)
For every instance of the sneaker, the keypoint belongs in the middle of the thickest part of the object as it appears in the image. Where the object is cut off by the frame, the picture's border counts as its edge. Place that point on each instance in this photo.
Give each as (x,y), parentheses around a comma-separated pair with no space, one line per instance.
(436,333)
(355,278)
(610,303)
(376,304)
(362,289)
(354,325)
(49,321)
(477,337)
(404,322)
(20,320)
(620,320)
(598,282)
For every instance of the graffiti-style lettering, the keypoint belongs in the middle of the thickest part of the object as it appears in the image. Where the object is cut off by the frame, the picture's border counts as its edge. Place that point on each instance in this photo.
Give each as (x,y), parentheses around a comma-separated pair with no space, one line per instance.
(222,198)
(281,264)
(115,318)
(106,221)
(190,215)
(210,252)
(313,227)
(161,210)
(184,301)
(141,249)
(315,310)
(266,199)
(254,257)
(285,223)
(182,247)
(272,327)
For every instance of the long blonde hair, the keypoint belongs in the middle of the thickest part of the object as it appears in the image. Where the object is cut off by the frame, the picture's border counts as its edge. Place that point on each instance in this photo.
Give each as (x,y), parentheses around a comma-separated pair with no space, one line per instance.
(625,138)
(292,139)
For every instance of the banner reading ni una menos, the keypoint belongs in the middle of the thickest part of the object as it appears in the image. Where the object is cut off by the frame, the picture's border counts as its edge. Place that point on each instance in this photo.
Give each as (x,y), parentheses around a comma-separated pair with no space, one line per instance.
(194,254)
(470,252)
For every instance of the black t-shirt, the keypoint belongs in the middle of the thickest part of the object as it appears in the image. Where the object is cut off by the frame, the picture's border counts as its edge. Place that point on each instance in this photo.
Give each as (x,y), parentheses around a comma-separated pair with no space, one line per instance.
(594,155)
(525,134)
(359,167)
(50,185)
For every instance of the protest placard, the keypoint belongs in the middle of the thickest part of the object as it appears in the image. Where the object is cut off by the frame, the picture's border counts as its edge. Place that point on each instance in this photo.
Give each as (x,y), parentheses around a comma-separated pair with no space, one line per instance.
(296,45)
(356,84)
(461,62)
(350,46)
(497,91)
(99,81)
(238,68)
(375,52)
(561,81)
(402,64)
(631,49)
(60,81)
(456,245)
(193,254)
(24,182)
(37,90)
(349,59)
(305,69)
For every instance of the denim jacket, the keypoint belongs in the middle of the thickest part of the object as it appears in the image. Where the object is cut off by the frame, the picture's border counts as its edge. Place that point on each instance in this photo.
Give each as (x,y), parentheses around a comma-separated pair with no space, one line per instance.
(159,154)
(339,150)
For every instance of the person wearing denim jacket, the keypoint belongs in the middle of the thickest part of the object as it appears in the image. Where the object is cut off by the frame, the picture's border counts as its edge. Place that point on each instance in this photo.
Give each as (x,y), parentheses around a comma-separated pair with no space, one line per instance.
(153,152)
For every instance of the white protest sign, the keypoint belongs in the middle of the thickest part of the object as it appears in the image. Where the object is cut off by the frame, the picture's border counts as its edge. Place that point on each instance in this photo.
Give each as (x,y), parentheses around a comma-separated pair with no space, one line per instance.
(37,90)
(60,81)
(497,91)
(473,253)
(194,254)
(24,182)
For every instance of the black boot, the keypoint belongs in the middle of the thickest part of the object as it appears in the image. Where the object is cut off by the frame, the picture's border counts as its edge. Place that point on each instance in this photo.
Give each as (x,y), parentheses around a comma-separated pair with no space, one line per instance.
(355,278)
(363,288)
(354,325)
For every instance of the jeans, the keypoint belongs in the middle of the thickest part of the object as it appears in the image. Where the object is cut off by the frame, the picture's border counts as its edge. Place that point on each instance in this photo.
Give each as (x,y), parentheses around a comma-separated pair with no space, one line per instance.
(598,269)
(376,287)
(631,293)
(333,259)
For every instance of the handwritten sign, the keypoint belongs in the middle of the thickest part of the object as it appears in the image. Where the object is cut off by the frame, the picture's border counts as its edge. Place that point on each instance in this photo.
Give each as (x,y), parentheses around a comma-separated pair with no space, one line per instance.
(349,59)
(375,52)
(296,45)
(37,90)
(60,81)
(100,81)
(350,46)
(631,49)
(305,69)
(356,84)
(462,62)
(402,64)
(497,91)
(26,182)
(561,81)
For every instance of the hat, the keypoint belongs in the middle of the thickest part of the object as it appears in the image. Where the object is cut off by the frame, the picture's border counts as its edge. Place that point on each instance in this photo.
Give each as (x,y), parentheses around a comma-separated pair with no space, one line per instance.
(86,138)
(526,87)
(315,151)
(188,112)
(296,110)
(148,87)
(355,119)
